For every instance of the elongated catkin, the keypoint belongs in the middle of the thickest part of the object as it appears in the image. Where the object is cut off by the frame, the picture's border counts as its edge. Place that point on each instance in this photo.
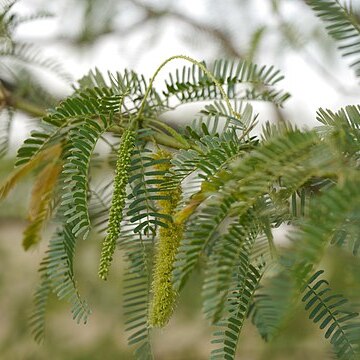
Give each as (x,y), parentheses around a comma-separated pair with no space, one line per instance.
(118,202)
(163,294)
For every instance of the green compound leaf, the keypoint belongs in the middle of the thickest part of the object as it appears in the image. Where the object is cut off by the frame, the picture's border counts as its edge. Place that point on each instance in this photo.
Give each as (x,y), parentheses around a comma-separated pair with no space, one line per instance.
(334,316)
(82,142)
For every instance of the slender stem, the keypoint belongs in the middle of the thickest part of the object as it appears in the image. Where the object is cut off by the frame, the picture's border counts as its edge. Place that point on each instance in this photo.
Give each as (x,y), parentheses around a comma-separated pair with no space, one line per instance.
(169,141)
(273,251)
(171,131)
(202,67)
(26,107)
(159,138)
(8,99)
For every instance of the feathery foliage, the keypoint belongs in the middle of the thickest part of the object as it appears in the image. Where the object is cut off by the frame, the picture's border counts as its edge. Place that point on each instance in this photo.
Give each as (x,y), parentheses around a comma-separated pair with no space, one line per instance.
(334,316)
(342,26)
(242,290)
(40,203)
(192,84)
(81,144)
(207,195)
(235,244)
(57,276)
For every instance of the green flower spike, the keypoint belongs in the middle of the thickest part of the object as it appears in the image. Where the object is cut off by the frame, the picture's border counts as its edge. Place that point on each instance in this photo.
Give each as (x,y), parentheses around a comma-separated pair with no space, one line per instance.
(118,202)
(164,295)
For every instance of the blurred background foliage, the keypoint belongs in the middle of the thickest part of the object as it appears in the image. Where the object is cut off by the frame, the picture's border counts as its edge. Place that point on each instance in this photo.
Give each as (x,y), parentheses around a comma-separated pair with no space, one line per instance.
(43,45)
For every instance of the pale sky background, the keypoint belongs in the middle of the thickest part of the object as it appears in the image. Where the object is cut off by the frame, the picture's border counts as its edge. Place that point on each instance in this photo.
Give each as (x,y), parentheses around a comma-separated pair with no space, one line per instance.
(309,89)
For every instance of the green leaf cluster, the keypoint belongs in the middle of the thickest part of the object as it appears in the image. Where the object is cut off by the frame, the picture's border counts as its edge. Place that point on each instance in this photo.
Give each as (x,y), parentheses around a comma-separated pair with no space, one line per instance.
(204,195)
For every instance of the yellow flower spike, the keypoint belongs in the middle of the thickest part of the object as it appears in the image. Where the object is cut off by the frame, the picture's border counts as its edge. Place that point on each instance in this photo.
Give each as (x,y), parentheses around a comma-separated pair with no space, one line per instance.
(164,295)
(118,202)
